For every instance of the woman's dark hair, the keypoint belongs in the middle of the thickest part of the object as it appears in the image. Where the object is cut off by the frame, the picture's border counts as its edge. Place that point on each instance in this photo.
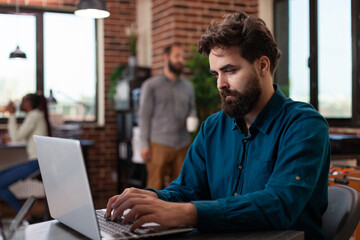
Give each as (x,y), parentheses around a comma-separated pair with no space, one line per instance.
(38,101)
(249,33)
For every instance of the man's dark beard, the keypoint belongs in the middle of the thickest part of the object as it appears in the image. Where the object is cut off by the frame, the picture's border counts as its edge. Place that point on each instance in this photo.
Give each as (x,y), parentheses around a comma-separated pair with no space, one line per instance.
(175,69)
(241,103)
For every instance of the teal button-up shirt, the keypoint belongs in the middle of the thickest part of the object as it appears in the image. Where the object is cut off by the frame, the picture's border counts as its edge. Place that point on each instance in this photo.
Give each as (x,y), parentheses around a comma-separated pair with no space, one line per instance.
(276,177)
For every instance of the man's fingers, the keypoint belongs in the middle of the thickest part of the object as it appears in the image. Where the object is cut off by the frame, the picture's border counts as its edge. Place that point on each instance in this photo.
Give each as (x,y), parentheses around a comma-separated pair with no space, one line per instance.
(125,200)
(128,204)
(122,199)
(137,211)
(142,220)
(108,206)
(112,200)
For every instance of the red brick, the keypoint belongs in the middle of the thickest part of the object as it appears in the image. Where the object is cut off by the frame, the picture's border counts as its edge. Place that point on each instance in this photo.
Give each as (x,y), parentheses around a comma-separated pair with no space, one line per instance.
(173,21)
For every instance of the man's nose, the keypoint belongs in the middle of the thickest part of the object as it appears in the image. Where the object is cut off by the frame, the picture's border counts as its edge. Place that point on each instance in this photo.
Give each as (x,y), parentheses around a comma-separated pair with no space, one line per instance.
(181,60)
(222,81)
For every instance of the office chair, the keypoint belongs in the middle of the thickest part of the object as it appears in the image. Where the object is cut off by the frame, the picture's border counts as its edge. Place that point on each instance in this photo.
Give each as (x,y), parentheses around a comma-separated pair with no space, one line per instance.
(342,214)
(29,186)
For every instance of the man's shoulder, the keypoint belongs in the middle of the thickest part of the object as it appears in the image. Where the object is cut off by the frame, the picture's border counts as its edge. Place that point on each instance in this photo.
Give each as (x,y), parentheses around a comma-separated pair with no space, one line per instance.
(216,116)
(296,107)
(186,81)
(216,119)
(302,111)
(154,80)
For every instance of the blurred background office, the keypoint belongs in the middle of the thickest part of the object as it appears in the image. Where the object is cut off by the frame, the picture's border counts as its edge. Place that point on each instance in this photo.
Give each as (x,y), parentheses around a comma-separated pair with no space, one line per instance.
(91,69)
(36,122)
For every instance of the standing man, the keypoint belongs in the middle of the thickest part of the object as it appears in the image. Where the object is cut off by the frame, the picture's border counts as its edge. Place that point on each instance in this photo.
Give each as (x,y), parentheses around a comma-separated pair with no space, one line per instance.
(261,163)
(166,101)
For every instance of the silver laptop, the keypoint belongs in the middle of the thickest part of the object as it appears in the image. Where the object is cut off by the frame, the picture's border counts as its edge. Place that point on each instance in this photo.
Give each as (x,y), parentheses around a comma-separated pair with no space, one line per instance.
(69,197)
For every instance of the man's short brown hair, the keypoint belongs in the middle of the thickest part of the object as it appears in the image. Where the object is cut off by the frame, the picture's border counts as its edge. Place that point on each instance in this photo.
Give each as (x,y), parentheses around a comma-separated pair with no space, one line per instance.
(249,33)
(167,49)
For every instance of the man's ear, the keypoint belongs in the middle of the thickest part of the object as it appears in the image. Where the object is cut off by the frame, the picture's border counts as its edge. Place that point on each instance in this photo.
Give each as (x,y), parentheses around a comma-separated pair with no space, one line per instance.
(264,65)
(165,57)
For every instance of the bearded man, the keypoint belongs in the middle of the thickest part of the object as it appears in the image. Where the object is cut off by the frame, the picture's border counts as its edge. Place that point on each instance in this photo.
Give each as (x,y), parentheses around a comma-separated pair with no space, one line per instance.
(166,101)
(261,163)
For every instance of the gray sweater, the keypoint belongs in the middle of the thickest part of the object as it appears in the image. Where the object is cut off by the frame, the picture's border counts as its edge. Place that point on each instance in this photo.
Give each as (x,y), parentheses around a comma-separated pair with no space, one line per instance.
(164,107)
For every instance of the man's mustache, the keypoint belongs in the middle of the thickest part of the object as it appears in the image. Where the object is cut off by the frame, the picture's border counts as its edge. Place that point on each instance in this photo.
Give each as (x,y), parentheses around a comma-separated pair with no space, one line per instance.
(226,91)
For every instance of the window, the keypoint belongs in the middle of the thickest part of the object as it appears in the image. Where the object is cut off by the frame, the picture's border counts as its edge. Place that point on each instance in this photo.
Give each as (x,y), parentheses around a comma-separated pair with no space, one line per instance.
(61,56)
(299,50)
(334,58)
(17,76)
(70,65)
(318,40)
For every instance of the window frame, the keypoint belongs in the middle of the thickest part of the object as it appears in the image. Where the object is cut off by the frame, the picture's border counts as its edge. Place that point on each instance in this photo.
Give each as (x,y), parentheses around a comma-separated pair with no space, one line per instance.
(39,15)
(281,76)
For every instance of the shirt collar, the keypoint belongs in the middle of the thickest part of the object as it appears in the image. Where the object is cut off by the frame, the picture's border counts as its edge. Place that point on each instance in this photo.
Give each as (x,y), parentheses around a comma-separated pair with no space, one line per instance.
(269,112)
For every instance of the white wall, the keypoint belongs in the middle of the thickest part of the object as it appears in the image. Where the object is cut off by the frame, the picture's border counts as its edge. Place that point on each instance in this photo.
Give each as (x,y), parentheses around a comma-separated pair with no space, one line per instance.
(144,26)
(266,9)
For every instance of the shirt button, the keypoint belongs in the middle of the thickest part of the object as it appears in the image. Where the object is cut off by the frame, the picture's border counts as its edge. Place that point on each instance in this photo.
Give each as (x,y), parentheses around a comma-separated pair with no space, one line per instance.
(240,167)
(235,194)
(245,140)
(297,178)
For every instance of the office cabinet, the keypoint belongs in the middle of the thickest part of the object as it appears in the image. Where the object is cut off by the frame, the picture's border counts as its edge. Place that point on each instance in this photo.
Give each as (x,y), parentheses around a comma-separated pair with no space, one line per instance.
(130,173)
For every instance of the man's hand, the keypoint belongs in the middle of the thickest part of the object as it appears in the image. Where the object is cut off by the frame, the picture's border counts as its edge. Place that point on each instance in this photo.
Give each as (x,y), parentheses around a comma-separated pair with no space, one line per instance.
(146,154)
(145,207)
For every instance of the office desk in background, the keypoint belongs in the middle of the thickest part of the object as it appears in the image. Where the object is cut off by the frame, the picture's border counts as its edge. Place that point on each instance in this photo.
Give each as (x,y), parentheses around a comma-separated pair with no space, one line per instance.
(54,230)
(15,153)
(12,155)
(345,147)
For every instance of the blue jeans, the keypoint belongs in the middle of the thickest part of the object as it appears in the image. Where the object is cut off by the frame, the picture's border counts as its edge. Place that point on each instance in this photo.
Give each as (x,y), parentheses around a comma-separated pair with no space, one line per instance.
(12,175)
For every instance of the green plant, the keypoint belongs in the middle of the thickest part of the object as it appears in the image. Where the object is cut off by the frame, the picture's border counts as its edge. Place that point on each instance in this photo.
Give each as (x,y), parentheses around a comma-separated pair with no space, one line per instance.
(115,77)
(206,93)
(132,34)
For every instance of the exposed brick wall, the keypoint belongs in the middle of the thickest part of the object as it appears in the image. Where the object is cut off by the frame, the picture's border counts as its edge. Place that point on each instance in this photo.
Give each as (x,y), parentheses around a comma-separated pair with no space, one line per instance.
(102,158)
(184,21)
(173,21)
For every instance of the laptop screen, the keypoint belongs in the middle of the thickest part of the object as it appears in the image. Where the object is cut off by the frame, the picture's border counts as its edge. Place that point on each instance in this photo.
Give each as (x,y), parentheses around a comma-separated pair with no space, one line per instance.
(66,184)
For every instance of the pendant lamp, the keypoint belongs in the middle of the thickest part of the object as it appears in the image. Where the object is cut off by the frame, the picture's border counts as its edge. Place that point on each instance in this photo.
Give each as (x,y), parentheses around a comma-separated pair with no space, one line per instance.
(17,53)
(51,98)
(92,9)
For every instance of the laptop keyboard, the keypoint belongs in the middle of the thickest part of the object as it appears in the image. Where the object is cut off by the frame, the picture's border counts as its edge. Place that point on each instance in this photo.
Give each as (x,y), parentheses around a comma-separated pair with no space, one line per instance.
(116,228)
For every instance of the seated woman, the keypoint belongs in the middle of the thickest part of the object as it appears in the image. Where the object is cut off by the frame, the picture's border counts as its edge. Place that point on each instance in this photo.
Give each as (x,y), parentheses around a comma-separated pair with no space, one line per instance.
(36,122)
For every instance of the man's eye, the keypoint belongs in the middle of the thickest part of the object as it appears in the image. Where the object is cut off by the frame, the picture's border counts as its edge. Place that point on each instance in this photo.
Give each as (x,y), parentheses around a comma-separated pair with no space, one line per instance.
(229,71)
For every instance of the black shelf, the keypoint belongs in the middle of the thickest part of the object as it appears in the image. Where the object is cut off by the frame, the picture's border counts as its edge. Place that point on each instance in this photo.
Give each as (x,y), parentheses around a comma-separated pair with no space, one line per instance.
(130,174)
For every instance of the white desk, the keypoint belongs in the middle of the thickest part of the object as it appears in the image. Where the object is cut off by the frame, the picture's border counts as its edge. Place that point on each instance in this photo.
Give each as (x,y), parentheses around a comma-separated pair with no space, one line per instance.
(54,230)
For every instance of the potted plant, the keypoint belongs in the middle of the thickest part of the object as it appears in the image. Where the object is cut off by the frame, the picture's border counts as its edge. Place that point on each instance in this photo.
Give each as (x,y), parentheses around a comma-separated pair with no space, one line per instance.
(132,34)
(115,78)
(206,93)
(118,89)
